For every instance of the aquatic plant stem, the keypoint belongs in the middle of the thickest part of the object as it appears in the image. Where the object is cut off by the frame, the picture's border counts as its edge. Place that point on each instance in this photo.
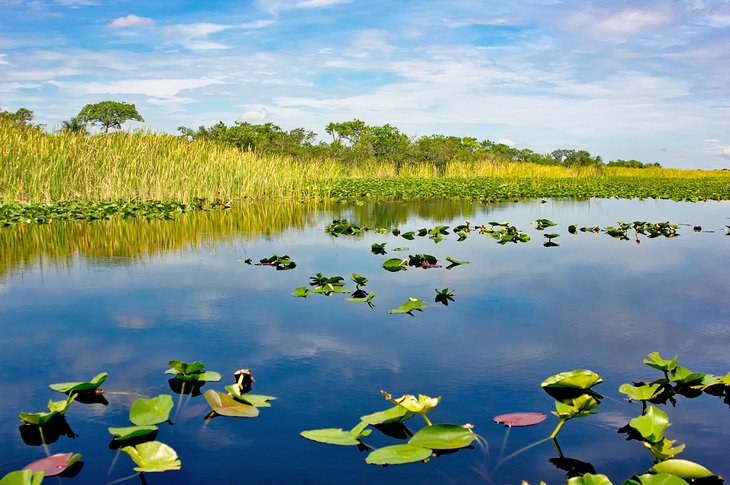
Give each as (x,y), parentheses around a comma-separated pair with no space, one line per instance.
(520,451)
(558,428)
(428,422)
(504,444)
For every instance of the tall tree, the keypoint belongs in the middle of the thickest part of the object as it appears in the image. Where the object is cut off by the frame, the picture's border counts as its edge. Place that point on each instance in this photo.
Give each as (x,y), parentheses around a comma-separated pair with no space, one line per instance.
(109,114)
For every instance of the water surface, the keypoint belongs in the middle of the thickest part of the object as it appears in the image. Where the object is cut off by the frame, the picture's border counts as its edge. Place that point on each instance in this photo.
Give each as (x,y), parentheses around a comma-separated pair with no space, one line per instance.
(127,296)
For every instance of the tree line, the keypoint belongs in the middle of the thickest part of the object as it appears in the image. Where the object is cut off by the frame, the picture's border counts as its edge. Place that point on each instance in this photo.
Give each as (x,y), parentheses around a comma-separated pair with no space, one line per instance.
(351,141)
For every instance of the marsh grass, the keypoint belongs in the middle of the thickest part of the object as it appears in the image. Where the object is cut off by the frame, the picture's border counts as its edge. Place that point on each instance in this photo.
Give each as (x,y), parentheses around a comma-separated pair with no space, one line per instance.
(39,167)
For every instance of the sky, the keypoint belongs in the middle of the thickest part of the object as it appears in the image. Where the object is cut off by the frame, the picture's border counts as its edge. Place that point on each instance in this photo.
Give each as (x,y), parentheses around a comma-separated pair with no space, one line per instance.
(646,80)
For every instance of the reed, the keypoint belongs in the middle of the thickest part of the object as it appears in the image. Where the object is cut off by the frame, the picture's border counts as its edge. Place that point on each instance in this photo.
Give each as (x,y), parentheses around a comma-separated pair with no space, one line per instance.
(40,167)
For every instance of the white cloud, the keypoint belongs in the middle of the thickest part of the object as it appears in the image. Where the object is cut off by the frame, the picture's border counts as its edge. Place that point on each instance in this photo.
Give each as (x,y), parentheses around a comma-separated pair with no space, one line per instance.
(256,114)
(156,88)
(131,21)
(276,6)
(619,24)
(507,141)
(715,148)
(2,59)
(257,24)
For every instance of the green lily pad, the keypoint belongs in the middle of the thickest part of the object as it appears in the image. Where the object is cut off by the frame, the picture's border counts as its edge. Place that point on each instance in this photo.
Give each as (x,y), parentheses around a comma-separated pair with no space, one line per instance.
(69,387)
(302,292)
(396,414)
(641,393)
(146,412)
(443,437)
(398,455)
(122,434)
(332,436)
(395,264)
(682,469)
(54,407)
(589,479)
(658,479)
(257,400)
(227,405)
(22,477)
(182,367)
(576,379)
(655,360)
(651,424)
(409,306)
(153,456)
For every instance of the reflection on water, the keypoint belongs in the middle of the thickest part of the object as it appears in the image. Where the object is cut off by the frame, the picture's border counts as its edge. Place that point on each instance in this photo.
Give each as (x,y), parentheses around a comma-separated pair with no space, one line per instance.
(127,296)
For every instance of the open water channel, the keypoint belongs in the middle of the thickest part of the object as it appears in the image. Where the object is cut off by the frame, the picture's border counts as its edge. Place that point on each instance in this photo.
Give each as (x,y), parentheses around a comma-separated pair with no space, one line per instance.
(126,297)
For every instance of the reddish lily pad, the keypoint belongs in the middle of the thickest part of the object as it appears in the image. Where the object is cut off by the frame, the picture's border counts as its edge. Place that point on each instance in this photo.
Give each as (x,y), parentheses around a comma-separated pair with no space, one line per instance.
(54,464)
(520,419)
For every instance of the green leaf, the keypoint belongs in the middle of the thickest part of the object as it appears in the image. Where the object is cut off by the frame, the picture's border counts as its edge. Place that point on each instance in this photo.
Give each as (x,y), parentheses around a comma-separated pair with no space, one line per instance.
(359,279)
(576,379)
(576,407)
(227,405)
(396,414)
(589,479)
(395,264)
(122,434)
(398,455)
(153,456)
(366,299)
(409,306)
(22,477)
(454,262)
(182,367)
(443,437)
(655,360)
(302,292)
(682,469)
(256,400)
(332,436)
(146,412)
(651,424)
(68,387)
(658,479)
(641,393)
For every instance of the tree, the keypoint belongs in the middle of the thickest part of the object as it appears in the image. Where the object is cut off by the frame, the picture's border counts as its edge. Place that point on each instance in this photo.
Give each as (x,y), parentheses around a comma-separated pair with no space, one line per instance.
(23,116)
(109,114)
(74,125)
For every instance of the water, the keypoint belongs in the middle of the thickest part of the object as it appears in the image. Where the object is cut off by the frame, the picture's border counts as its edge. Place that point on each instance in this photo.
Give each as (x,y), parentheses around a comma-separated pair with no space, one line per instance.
(127,297)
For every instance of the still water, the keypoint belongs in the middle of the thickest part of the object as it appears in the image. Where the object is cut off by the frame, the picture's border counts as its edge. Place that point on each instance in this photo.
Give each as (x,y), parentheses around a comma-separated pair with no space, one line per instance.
(126,297)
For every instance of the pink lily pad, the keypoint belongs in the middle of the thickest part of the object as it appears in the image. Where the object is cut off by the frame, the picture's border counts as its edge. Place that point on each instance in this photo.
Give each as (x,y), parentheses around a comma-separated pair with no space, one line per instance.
(54,464)
(520,419)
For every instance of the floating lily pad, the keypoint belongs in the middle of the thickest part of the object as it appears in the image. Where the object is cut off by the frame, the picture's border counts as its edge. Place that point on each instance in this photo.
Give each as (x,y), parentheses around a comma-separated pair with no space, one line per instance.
(589,479)
(257,400)
(130,432)
(332,436)
(227,405)
(396,414)
(153,456)
(398,455)
(443,437)
(520,419)
(146,412)
(651,424)
(682,469)
(302,292)
(55,408)
(656,479)
(54,464)
(409,306)
(69,387)
(576,379)
(192,372)
(22,477)
(642,393)
(395,264)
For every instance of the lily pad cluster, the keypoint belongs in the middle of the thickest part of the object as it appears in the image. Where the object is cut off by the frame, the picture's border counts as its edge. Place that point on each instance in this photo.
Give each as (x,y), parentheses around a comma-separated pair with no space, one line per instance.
(281,263)
(145,414)
(421,446)
(573,394)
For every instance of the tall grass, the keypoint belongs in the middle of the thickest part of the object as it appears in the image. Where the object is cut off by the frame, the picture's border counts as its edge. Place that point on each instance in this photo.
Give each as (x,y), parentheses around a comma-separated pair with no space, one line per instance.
(42,167)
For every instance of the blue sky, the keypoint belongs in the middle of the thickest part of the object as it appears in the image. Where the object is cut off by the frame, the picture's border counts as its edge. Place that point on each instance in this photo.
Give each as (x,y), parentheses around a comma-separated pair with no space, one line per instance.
(648,80)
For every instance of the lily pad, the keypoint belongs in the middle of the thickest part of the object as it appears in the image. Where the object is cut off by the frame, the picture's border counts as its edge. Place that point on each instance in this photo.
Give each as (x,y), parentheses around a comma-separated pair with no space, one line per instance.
(395,264)
(657,479)
(69,387)
(589,479)
(682,469)
(257,400)
(54,464)
(398,455)
(130,432)
(22,477)
(409,306)
(642,393)
(576,379)
(332,436)
(396,414)
(227,405)
(146,412)
(520,419)
(443,437)
(651,424)
(153,456)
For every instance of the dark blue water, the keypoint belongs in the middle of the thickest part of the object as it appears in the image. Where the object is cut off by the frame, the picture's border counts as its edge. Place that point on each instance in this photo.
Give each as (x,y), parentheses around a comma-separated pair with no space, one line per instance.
(522,312)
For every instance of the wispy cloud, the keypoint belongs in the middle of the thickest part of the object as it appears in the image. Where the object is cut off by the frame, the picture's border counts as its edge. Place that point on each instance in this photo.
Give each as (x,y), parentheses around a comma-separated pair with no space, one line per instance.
(131,21)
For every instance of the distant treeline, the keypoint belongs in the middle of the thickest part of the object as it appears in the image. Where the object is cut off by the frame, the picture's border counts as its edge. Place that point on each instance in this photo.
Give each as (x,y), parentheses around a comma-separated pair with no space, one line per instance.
(352,141)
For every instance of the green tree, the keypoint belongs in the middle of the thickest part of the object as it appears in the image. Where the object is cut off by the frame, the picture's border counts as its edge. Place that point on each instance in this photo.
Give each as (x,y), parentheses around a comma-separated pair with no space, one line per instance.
(74,125)
(23,116)
(109,114)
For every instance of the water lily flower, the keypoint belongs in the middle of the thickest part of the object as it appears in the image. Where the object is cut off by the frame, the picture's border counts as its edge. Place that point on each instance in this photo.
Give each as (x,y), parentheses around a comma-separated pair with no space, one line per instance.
(420,405)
